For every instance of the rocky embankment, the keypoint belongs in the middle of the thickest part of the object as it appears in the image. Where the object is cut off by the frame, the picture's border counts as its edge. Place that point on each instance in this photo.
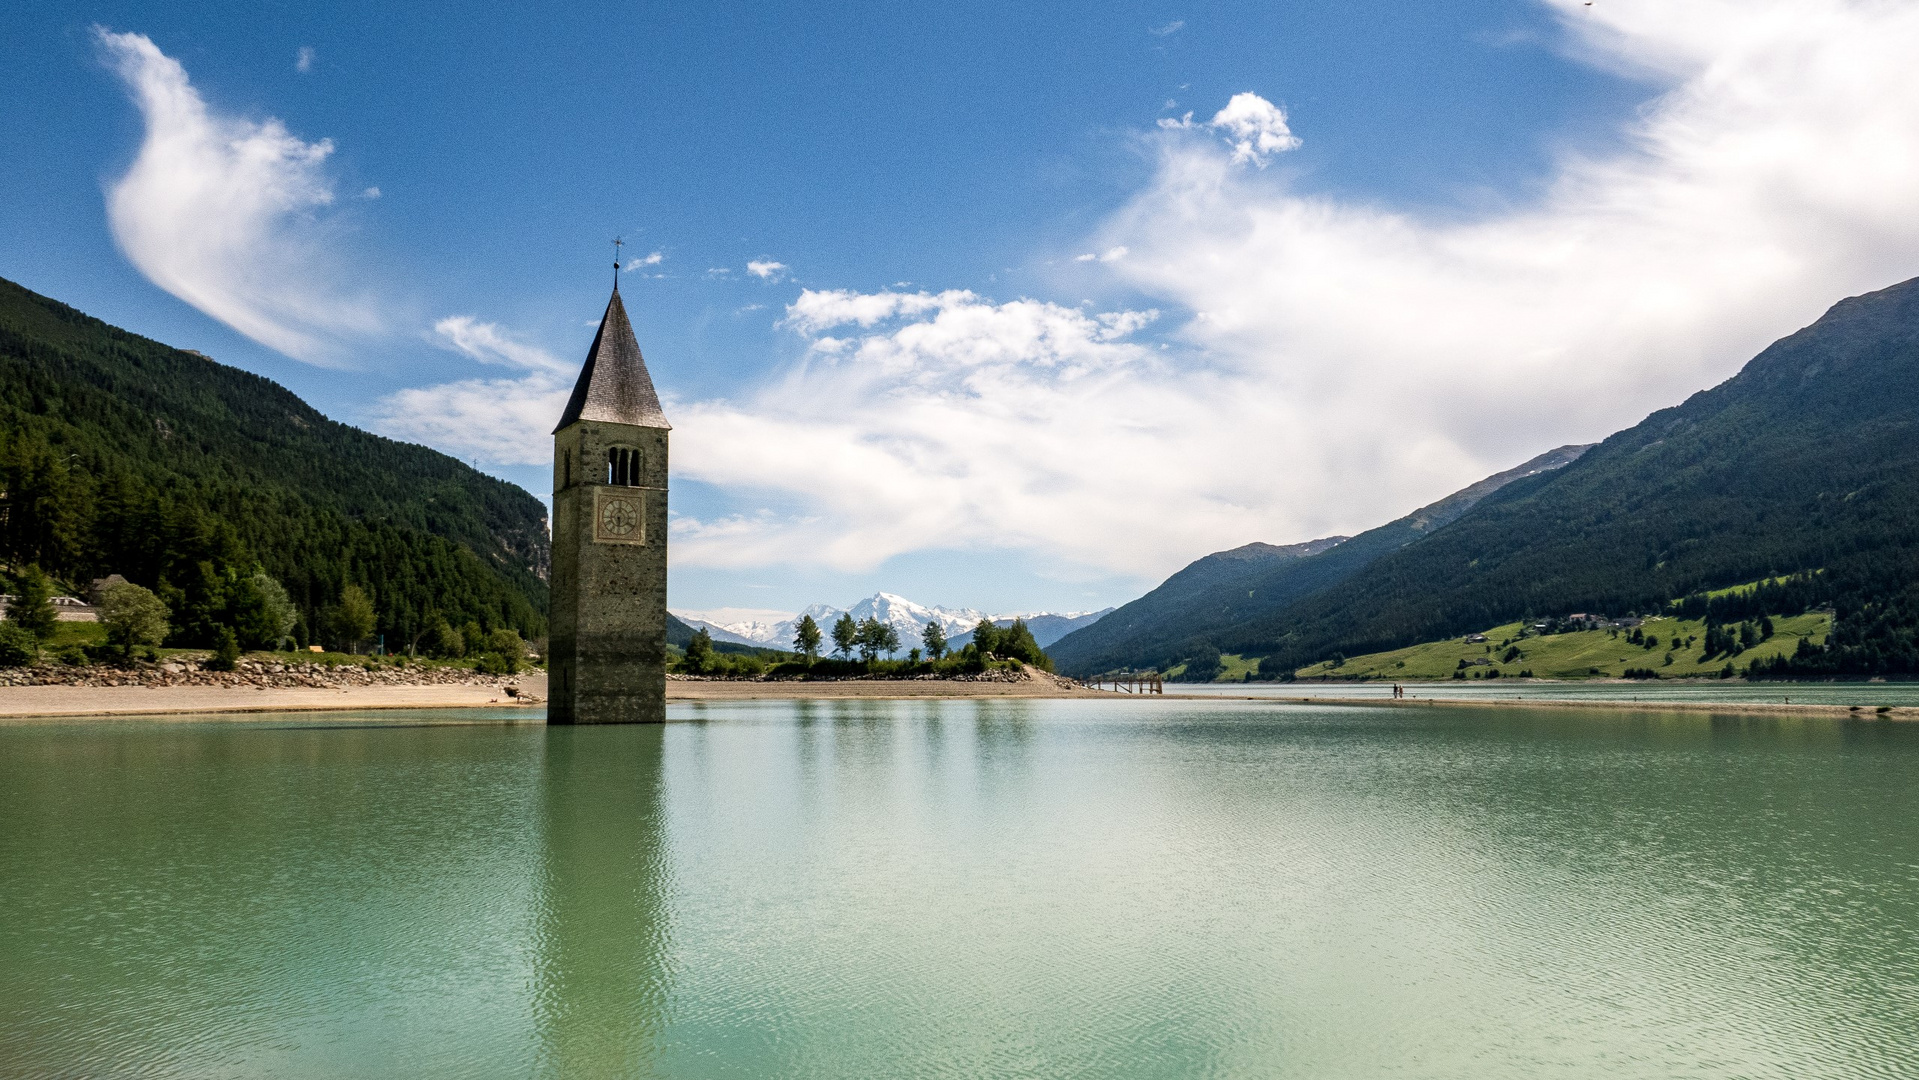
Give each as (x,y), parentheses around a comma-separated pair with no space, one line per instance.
(258,673)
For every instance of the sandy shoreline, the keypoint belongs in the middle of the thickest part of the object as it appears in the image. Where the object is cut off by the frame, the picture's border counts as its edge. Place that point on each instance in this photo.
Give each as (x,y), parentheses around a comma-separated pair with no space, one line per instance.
(42,702)
(28,702)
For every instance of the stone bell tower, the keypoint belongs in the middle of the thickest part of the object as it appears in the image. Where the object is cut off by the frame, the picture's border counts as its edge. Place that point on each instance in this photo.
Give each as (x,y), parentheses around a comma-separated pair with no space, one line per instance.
(607,630)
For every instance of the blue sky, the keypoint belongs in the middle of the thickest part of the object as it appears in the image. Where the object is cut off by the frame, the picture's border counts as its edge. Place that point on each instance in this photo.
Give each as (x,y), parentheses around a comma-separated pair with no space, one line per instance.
(1048,320)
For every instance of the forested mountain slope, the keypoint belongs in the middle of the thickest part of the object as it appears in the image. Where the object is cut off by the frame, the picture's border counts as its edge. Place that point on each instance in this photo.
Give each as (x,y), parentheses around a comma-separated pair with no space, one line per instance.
(1807,460)
(122,455)
(1214,595)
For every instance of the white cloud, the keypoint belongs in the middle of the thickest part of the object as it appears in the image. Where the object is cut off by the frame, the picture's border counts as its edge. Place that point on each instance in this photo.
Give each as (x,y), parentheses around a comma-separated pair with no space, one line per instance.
(370,193)
(220,212)
(939,420)
(303,60)
(642,262)
(1111,254)
(766,270)
(1257,127)
(1343,362)
(1173,27)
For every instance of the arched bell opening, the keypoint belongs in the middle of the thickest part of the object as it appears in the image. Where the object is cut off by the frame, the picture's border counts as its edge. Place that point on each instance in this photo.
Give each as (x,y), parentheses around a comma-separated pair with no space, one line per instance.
(623,466)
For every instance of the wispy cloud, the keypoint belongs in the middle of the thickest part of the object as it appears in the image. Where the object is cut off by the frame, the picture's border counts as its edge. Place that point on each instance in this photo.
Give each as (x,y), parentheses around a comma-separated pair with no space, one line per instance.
(766,269)
(221,212)
(644,261)
(498,421)
(303,60)
(487,343)
(502,421)
(1170,28)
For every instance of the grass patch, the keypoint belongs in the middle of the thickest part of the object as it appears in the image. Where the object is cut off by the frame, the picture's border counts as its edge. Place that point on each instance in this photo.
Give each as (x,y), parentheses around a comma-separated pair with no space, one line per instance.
(1586,654)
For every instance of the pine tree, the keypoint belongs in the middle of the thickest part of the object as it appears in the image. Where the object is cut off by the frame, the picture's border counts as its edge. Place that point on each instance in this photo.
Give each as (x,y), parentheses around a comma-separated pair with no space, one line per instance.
(33,611)
(806,639)
(699,652)
(986,636)
(934,638)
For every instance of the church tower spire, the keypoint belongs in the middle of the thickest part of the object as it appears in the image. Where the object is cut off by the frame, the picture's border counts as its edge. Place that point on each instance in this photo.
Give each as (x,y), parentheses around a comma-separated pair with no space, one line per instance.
(607,629)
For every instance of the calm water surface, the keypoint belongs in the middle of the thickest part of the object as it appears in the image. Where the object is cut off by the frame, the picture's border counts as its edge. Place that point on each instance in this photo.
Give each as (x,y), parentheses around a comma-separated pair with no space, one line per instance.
(1033,889)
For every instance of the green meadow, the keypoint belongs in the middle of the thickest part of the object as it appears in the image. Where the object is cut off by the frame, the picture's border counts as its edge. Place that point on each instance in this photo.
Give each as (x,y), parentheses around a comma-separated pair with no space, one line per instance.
(1585,654)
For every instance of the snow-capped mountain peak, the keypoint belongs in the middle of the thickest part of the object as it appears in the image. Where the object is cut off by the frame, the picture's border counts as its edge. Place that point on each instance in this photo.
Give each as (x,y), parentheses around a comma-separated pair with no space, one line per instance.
(905,616)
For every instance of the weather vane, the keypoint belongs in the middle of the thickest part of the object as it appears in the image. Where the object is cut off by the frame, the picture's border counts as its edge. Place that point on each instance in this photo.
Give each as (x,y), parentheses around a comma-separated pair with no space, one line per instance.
(617,244)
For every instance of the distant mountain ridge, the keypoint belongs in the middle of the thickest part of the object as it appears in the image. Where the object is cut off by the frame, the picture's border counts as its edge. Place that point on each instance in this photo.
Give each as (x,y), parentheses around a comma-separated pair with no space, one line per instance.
(906,617)
(1222,590)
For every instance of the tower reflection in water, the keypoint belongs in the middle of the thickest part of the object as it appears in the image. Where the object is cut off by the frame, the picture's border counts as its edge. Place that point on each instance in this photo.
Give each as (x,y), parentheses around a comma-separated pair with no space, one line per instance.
(602,978)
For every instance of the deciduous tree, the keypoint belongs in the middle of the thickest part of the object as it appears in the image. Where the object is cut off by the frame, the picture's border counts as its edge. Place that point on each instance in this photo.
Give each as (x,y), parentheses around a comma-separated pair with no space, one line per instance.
(133,616)
(846,635)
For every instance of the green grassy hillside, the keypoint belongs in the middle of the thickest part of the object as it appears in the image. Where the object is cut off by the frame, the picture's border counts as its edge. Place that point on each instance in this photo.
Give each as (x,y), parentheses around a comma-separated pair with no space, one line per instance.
(119,454)
(1579,655)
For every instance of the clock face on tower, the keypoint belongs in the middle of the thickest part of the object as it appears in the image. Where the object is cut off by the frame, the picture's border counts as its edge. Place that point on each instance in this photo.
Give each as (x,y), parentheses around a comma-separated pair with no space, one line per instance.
(619,517)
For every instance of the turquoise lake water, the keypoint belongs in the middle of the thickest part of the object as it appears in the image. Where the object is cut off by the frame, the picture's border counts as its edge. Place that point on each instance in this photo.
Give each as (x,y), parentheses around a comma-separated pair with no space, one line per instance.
(1075,888)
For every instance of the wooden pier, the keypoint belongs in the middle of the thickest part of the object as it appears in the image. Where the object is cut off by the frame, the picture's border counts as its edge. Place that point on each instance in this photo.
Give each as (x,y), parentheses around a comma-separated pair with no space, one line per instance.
(1129,683)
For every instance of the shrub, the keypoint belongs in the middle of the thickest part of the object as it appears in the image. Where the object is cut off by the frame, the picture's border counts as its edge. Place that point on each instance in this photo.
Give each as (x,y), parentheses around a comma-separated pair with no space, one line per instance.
(71,655)
(497,664)
(18,648)
(226,651)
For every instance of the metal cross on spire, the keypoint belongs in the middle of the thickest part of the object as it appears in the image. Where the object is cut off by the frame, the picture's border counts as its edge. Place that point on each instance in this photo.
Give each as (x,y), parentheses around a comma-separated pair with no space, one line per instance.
(617,244)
